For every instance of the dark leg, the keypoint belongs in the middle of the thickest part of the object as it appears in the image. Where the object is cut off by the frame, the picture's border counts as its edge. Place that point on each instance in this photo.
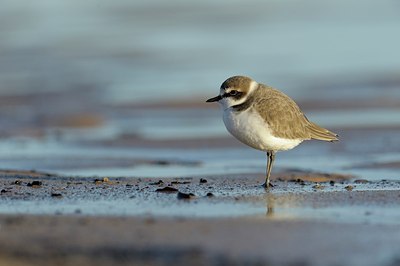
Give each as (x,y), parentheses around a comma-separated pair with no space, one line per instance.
(271,158)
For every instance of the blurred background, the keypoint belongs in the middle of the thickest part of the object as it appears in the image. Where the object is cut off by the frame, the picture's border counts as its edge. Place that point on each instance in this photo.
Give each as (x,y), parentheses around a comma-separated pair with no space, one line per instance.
(117,88)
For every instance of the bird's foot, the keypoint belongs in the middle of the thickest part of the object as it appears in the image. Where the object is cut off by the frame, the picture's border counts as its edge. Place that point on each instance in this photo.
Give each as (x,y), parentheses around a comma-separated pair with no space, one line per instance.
(267,185)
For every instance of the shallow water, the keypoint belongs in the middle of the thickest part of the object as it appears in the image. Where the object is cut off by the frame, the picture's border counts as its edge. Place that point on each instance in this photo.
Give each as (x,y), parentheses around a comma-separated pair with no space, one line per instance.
(159,149)
(371,203)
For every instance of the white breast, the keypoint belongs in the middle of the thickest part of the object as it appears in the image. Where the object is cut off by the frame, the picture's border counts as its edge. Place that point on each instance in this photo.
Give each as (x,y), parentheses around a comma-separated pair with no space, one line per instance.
(249,127)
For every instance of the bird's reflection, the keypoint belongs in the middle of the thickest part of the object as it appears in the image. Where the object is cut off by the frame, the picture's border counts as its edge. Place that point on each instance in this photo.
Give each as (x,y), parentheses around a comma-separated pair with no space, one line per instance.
(270,202)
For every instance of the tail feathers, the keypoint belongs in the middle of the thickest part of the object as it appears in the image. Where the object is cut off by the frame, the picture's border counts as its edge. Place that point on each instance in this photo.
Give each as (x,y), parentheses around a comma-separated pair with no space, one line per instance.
(320,133)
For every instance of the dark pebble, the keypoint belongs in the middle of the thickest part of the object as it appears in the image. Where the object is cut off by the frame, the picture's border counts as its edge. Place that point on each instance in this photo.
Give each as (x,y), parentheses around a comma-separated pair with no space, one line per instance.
(159,182)
(180,182)
(332,183)
(209,194)
(182,195)
(361,181)
(298,180)
(3,191)
(318,186)
(18,182)
(100,181)
(56,195)
(167,190)
(35,184)
(349,188)
(203,180)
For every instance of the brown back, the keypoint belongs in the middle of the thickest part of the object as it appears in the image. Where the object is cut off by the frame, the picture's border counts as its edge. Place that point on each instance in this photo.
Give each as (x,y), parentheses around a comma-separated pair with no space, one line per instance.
(285,118)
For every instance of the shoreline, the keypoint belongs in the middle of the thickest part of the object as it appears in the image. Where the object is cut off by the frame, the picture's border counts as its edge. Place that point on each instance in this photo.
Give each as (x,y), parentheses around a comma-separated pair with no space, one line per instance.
(103,221)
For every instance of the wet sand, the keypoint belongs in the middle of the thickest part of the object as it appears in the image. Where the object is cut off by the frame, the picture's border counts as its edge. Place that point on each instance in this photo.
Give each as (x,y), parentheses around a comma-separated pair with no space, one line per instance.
(306,219)
(77,240)
(151,185)
(166,194)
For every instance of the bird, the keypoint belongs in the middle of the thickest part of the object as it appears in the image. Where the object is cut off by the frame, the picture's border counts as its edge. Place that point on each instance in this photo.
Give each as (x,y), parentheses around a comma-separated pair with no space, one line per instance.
(265,118)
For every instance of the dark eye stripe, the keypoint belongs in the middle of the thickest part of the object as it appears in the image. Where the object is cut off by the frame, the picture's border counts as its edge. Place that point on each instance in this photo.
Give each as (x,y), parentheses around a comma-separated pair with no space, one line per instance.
(238,95)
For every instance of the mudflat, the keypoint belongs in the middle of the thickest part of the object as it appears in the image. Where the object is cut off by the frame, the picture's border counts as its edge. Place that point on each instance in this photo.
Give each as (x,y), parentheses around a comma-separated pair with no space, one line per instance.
(151,185)
(306,219)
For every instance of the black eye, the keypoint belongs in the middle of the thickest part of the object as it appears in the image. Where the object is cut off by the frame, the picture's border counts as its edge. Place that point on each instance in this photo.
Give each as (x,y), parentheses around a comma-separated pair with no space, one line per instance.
(233,93)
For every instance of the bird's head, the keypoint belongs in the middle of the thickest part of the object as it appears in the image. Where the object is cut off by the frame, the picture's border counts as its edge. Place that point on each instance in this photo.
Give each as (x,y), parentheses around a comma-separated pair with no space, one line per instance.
(235,90)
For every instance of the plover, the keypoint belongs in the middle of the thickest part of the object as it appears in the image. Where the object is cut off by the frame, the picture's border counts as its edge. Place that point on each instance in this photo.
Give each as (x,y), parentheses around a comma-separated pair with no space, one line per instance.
(265,119)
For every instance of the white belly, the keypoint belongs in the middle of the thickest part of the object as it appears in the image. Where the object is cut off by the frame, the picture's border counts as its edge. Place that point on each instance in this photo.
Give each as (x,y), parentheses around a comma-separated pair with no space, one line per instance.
(248,127)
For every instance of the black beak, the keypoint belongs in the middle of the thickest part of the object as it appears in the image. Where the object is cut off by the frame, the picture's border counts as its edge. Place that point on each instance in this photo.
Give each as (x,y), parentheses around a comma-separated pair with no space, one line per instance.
(215,99)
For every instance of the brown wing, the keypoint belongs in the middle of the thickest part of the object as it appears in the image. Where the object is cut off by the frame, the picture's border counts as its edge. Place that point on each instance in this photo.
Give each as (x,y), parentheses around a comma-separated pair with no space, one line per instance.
(282,115)
(286,119)
(321,133)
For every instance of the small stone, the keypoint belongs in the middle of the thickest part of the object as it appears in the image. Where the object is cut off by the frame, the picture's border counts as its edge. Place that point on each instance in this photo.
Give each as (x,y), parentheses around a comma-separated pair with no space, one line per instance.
(185,196)
(349,188)
(3,191)
(159,182)
(167,190)
(361,181)
(102,180)
(318,186)
(332,183)
(56,195)
(298,180)
(209,194)
(175,182)
(18,182)
(203,181)
(35,184)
